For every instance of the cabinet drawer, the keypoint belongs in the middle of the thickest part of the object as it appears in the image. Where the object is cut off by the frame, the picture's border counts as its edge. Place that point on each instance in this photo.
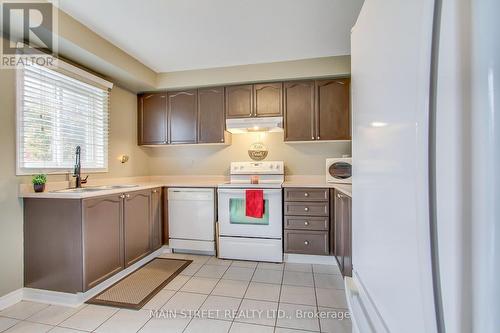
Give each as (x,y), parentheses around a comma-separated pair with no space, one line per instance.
(306,222)
(307,208)
(306,194)
(306,242)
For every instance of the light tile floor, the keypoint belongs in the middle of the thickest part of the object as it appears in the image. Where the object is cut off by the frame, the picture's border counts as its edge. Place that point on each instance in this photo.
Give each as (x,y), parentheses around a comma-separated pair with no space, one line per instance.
(210,295)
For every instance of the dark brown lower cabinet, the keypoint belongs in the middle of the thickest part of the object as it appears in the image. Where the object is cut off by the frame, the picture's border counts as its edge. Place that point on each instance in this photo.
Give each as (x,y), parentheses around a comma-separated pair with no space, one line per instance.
(342,224)
(72,245)
(156,217)
(102,239)
(306,219)
(136,226)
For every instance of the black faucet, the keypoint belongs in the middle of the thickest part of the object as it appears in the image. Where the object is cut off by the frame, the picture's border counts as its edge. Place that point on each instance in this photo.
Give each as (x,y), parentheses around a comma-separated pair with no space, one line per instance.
(76,171)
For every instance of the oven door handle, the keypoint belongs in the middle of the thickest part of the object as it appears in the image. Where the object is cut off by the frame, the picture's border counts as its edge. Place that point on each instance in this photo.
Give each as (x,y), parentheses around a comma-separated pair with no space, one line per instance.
(242,190)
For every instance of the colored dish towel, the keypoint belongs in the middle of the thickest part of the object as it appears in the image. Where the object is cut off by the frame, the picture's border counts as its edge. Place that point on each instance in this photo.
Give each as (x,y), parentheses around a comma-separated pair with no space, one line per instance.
(254,203)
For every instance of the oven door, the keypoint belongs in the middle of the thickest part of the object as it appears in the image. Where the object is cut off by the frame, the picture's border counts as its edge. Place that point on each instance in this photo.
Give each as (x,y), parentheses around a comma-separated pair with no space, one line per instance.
(232,219)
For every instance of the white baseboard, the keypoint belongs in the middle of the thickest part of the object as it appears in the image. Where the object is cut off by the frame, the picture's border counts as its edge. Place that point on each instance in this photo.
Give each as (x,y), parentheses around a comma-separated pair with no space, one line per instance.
(75,300)
(11,298)
(310,259)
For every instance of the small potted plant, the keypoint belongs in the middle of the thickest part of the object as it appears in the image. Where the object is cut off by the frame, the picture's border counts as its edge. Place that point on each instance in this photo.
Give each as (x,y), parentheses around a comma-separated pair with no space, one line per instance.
(39,182)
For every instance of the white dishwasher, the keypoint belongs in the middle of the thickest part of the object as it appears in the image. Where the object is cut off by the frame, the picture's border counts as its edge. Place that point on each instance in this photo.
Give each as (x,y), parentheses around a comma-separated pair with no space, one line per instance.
(191,219)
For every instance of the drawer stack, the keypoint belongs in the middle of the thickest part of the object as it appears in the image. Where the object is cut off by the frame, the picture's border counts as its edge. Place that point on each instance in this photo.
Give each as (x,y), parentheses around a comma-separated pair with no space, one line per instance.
(307,220)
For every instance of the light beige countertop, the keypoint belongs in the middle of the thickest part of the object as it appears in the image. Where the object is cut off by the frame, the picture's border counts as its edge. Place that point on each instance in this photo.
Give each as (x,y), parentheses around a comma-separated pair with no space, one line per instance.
(144,183)
(53,190)
(316,182)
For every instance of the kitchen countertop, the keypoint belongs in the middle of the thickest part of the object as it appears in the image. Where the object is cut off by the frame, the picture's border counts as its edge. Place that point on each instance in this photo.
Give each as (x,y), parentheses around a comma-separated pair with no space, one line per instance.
(143,183)
(26,191)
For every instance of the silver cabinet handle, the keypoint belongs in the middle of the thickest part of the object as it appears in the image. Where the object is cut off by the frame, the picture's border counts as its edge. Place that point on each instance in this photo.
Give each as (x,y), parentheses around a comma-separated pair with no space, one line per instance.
(317,137)
(127,196)
(122,196)
(221,140)
(306,209)
(306,223)
(306,242)
(306,194)
(154,191)
(312,137)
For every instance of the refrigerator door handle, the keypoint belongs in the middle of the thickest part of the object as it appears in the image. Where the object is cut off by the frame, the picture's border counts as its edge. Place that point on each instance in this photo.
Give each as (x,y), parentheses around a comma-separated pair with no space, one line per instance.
(432,168)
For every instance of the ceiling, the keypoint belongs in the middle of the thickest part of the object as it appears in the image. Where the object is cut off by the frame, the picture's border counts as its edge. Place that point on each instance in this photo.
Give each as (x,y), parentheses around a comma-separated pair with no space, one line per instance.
(174,35)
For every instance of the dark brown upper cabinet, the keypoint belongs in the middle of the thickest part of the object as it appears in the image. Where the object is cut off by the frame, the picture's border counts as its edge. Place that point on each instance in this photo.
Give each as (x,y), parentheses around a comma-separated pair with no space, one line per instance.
(254,100)
(332,110)
(182,116)
(299,111)
(317,110)
(211,115)
(239,101)
(152,122)
(268,99)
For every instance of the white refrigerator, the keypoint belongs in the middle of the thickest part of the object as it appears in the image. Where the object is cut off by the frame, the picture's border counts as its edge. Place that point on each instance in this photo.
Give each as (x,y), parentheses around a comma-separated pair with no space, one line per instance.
(426,165)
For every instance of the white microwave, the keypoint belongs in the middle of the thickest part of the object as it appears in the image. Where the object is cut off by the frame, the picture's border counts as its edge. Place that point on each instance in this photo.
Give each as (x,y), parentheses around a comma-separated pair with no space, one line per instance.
(339,170)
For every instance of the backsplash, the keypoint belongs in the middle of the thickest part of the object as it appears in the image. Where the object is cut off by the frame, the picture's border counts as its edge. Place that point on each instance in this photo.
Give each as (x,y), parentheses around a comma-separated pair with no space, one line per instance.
(300,158)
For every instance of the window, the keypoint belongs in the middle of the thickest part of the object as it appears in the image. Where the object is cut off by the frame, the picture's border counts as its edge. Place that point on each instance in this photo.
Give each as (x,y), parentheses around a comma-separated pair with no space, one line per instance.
(56,113)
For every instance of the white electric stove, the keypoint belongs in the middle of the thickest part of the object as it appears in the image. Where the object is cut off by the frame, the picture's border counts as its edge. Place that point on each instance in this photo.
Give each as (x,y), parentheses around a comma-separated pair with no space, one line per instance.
(247,238)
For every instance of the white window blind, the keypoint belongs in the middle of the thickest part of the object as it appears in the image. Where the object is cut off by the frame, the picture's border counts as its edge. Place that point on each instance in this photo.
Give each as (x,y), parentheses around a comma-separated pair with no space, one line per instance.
(56,113)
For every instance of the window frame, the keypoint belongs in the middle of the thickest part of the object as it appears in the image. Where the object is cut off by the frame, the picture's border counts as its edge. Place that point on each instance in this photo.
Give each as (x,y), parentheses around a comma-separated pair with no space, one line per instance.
(77,74)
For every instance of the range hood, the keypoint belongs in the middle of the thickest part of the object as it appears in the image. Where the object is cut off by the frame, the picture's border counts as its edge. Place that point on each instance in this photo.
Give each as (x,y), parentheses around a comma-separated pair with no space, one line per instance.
(255,124)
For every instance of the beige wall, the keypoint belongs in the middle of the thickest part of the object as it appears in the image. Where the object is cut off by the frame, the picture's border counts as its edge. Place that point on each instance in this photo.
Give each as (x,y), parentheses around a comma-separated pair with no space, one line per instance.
(300,158)
(283,70)
(11,214)
(122,140)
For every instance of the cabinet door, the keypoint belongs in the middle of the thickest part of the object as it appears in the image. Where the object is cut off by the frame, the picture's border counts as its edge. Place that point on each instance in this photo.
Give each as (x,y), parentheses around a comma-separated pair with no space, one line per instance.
(268,99)
(182,111)
(332,110)
(152,119)
(299,111)
(239,101)
(136,224)
(156,216)
(338,230)
(102,239)
(347,227)
(211,115)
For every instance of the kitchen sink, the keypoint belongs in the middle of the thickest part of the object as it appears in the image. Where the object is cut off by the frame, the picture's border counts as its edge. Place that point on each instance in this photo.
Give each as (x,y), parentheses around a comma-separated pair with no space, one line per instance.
(95,188)
(79,190)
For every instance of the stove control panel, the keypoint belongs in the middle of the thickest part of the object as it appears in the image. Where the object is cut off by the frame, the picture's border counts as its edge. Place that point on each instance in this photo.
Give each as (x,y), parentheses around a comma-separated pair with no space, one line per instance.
(259,168)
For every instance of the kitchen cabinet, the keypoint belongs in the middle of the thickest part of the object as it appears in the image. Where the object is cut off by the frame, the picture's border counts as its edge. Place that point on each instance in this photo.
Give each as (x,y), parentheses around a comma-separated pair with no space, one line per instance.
(299,124)
(332,110)
(152,119)
(72,245)
(156,218)
(342,224)
(136,225)
(268,99)
(164,222)
(317,110)
(254,100)
(182,116)
(306,221)
(103,239)
(211,122)
(239,101)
